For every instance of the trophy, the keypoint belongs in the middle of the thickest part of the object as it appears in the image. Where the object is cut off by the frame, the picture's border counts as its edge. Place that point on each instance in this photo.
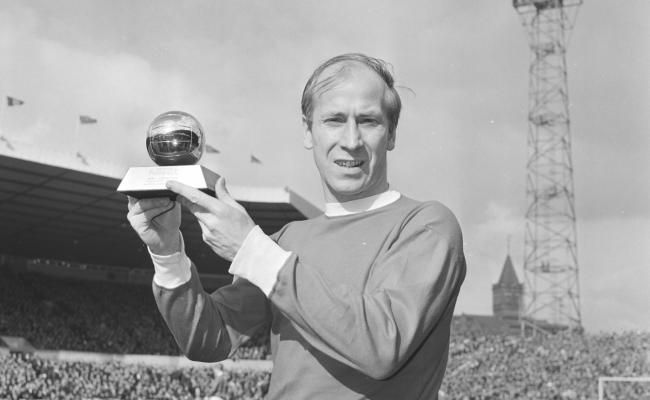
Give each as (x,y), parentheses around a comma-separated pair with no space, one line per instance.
(175,141)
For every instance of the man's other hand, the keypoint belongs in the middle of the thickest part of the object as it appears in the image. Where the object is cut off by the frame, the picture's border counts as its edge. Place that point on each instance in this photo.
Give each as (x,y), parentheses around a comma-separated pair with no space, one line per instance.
(157,222)
(224,222)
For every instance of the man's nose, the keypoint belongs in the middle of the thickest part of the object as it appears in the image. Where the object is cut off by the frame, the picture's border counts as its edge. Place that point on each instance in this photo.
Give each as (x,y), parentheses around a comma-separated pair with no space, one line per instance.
(351,136)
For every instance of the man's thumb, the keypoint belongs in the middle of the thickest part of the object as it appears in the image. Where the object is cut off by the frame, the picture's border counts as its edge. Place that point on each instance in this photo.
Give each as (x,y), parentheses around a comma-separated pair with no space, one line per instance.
(222,193)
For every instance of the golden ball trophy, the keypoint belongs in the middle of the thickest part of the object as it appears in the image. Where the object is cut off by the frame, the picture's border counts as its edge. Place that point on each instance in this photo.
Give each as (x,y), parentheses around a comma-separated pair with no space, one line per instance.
(175,141)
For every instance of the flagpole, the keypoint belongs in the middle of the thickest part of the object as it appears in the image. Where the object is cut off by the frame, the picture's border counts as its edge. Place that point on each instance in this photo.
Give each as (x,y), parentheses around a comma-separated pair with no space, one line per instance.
(5,103)
(76,134)
(2,114)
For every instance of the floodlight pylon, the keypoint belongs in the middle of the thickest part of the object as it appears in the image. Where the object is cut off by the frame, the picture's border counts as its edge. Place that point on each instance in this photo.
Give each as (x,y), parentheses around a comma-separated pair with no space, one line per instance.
(551,284)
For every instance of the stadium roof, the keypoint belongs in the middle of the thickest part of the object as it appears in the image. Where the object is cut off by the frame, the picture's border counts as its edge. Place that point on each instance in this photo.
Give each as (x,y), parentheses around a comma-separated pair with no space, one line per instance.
(60,213)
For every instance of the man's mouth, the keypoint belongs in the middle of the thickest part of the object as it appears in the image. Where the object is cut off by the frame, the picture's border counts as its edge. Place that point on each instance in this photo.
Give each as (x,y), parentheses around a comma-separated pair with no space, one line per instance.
(348,163)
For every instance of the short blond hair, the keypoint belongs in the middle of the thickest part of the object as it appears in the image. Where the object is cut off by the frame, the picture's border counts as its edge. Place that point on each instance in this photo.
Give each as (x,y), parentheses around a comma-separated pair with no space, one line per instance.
(316,86)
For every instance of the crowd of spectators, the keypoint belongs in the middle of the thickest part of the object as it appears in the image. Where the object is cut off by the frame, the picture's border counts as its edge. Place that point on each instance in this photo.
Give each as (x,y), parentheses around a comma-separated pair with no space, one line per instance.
(23,376)
(80,315)
(565,365)
(122,318)
(561,366)
(64,314)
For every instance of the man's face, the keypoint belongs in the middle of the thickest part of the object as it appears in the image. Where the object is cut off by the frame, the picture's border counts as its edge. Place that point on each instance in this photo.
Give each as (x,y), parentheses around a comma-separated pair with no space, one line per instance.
(349,136)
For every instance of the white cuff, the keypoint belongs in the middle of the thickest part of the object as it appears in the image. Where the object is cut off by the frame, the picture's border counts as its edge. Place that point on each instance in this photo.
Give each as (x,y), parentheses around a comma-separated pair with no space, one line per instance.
(173,270)
(259,260)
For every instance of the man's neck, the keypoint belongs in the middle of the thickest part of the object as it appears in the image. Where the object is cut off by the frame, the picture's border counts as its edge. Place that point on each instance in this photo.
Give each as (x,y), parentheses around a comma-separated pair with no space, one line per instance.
(337,209)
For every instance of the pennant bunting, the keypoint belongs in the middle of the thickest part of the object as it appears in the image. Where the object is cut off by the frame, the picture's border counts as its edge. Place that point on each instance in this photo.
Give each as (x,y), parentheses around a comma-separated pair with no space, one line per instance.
(84,119)
(7,142)
(12,101)
(82,158)
(211,149)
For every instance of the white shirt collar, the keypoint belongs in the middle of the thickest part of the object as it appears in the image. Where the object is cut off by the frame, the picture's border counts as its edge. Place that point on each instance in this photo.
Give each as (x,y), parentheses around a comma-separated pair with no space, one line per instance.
(361,205)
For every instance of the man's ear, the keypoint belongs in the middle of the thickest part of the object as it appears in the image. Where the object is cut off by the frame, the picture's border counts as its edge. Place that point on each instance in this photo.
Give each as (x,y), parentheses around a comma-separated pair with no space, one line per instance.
(390,143)
(307,140)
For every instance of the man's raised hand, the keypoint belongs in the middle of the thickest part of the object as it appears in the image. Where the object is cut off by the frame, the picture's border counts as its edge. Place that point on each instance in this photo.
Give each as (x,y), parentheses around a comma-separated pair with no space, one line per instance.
(157,222)
(224,222)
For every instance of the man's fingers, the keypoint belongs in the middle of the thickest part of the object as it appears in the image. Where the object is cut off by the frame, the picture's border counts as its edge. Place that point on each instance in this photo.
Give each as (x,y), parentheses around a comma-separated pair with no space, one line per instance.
(152,213)
(220,188)
(222,192)
(224,195)
(203,206)
(148,215)
(191,198)
(139,206)
(132,201)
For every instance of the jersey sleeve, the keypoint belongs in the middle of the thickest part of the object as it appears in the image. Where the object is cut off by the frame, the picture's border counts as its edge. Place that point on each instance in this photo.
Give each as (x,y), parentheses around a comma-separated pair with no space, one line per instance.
(210,327)
(411,288)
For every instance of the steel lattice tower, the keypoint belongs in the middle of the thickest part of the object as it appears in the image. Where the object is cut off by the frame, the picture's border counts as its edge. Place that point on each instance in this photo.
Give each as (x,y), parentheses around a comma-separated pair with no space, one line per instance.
(550,249)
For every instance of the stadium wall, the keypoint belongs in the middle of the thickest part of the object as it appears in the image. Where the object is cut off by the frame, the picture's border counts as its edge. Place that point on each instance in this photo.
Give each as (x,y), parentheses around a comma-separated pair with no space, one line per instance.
(94,272)
(172,362)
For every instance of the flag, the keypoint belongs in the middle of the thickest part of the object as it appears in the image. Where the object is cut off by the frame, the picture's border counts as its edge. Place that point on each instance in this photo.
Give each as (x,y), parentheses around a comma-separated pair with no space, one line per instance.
(7,142)
(211,149)
(255,160)
(84,119)
(12,101)
(82,158)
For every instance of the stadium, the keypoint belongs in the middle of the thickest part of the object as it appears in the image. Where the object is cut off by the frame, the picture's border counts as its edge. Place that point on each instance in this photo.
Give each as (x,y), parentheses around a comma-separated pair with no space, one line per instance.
(67,255)
(77,315)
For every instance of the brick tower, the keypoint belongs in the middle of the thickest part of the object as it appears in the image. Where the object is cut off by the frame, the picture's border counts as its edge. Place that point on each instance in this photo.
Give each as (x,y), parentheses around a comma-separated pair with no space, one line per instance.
(507,293)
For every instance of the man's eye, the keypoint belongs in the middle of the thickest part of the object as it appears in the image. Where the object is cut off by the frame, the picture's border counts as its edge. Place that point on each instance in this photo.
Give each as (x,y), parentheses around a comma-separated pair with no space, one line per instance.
(369,122)
(334,121)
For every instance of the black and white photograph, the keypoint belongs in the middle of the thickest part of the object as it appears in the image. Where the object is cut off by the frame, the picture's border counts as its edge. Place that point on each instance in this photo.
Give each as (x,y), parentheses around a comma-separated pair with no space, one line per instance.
(325,200)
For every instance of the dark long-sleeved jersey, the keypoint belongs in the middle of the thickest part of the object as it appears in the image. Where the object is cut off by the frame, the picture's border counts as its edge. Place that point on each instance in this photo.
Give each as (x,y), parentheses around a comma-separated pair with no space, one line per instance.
(361,309)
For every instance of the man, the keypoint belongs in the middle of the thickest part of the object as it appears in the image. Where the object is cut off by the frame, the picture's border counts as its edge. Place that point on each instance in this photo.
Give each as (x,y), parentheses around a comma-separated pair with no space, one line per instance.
(360,299)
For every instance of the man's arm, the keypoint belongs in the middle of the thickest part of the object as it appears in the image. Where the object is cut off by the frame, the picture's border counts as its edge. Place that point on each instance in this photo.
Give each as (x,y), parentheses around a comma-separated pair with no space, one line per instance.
(411,288)
(206,327)
(210,327)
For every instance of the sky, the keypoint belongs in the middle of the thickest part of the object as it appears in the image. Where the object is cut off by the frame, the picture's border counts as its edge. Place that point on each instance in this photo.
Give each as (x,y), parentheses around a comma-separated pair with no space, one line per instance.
(462,71)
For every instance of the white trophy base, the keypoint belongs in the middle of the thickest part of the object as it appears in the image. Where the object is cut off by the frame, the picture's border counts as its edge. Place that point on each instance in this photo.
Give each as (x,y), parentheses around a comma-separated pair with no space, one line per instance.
(146,182)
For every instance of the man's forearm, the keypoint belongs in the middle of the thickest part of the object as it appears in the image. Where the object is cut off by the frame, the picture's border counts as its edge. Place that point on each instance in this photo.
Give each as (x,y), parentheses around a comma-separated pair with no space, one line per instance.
(374,331)
(207,327)
(192,319)
(259,260)
(171,270)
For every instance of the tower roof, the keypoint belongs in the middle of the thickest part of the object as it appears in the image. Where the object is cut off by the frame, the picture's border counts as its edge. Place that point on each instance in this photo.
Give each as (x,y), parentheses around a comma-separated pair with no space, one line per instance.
(508,275)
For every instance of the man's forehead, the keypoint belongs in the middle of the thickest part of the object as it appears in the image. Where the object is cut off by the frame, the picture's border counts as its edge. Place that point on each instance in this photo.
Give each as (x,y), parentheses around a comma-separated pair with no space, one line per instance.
(354,81)
(346,69)
(339,105)
(343,102)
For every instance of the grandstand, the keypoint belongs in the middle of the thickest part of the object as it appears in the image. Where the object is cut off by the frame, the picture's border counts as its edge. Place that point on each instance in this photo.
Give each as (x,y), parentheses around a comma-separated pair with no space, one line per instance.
(77,318)
(67,253)
(59,213)
(138,358)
